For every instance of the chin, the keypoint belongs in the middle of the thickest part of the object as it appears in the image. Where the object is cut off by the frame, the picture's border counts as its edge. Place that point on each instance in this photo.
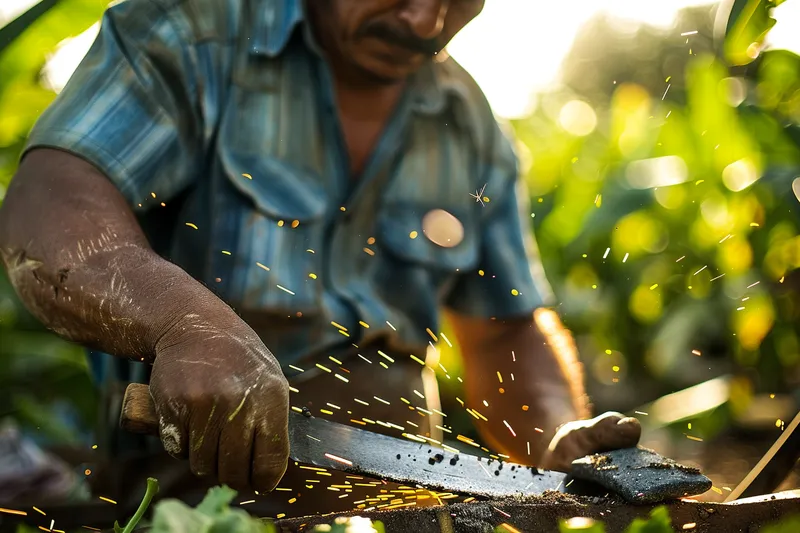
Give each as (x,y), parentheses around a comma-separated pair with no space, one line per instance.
(387,72)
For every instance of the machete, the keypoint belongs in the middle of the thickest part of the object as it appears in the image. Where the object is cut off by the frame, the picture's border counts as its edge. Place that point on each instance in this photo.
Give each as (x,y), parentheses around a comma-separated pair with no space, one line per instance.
(322,443)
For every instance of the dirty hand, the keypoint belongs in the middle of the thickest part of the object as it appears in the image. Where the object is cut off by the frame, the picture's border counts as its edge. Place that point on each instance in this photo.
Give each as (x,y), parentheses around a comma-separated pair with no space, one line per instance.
(222,401)
(573,440)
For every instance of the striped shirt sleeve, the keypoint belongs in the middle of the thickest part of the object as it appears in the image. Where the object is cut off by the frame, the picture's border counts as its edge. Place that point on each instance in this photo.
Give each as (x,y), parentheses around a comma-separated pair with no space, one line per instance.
(509,281)
(129,109)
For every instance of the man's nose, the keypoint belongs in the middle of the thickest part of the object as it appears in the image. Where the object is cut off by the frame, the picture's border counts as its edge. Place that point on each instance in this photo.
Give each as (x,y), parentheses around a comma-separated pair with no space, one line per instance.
(425,17)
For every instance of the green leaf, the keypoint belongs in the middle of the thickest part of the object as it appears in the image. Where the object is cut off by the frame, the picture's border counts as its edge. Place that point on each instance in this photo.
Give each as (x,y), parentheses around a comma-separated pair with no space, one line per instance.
(659,522)
(582,525)
(18,26)
(217,501)
(355,524)
(749,23)
(787,525)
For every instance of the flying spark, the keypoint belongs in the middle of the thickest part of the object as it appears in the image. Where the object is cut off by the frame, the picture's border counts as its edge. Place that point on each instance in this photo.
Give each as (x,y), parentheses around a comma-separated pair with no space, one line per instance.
(479,195)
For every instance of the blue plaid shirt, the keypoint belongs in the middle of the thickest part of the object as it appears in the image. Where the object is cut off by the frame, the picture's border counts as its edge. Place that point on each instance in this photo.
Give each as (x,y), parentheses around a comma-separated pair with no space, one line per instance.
(216,119)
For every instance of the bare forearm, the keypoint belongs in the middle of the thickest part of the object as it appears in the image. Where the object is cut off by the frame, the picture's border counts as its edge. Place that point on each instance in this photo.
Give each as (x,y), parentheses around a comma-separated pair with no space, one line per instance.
(79,262)
(541,387)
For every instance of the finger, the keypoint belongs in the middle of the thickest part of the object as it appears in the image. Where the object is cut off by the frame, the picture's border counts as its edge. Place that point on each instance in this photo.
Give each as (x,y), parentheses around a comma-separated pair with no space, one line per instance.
(614,432)
(236,451)
(270,455)
(172,430)
(204,431)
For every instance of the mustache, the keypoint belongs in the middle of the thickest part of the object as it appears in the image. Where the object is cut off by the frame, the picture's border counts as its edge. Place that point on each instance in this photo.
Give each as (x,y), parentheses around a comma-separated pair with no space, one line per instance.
(401,38)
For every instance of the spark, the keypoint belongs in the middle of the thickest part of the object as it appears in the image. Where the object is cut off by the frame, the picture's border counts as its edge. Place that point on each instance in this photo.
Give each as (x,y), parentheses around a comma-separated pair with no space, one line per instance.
(641,413)
(624,259)
(479,195)
(314,468)
(363,324)
(499,376)
(191,225)
(714,279)
(510,528)
(296,368)
(292,500)
(248,176)
(696,273)
(608,250)
(332,358)
(359,422)
(697,353)
(442,335)
(666,91)
(259,265)
(13,511)
(247,502)
(414,437)
(390,325)
(681,259)
(313,438)
(284,289)
(529,447)
(326,412)
(338,459)
(432,334)
(418,393)
(109,500)
(653,286)
(385,356)
(417,359)
(690,525)
(501,512)
(698,439)
(753,285)
(365,359)
(362,402)
(333,406)
(342,378)
(91,528)
(382,400)
(693,32)
(326,369)
(292,389)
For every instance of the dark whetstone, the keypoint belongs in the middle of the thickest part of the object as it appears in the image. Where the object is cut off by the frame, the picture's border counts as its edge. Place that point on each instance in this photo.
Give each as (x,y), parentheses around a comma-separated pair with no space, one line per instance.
(640,475)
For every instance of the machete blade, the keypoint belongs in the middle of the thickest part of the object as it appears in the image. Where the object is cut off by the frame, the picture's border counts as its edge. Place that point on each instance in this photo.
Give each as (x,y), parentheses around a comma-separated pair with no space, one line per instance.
(326,444)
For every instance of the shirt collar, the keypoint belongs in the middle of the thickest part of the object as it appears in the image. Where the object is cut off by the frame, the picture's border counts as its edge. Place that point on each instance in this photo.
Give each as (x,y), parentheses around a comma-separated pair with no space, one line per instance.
(274,23)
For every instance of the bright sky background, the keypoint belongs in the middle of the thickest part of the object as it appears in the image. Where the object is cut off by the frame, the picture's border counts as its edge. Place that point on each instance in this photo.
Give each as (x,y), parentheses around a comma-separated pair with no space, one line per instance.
(507,36)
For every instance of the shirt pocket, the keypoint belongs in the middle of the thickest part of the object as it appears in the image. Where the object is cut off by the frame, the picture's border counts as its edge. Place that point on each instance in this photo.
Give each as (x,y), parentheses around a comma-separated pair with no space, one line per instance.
(400,226)
(281,233)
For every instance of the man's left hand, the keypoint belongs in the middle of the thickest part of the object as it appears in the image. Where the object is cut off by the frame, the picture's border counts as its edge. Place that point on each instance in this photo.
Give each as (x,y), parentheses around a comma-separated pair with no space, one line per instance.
(573,440)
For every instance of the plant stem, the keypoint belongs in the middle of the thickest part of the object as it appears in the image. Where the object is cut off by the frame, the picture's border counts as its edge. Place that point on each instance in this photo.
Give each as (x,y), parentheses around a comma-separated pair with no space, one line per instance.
(152,490)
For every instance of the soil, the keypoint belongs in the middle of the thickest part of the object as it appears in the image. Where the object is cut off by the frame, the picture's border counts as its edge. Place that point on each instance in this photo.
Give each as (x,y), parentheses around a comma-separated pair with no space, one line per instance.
(542,514)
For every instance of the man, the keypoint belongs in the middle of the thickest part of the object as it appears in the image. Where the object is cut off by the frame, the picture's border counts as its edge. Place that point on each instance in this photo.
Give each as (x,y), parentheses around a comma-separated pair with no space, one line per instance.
(327,172)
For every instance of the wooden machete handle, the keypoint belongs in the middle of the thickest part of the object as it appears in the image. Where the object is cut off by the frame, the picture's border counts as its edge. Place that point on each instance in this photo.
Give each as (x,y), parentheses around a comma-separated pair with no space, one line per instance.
(138,414)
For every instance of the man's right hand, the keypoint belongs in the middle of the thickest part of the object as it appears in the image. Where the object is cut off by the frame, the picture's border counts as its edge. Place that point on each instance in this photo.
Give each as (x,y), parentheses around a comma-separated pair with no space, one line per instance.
(222,402)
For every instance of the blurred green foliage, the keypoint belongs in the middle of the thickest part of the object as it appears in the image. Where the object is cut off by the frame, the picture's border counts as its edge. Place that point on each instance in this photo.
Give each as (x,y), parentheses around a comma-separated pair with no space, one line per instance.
(44,382)
(662,190)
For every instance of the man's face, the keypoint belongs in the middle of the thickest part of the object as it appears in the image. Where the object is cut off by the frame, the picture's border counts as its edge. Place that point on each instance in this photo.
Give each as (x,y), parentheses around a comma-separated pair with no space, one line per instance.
(390,39)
